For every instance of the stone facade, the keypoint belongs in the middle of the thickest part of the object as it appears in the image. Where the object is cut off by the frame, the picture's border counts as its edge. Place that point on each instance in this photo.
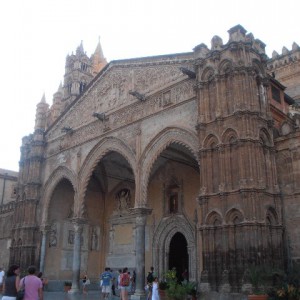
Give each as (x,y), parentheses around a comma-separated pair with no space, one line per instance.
(8,194)
(187,160)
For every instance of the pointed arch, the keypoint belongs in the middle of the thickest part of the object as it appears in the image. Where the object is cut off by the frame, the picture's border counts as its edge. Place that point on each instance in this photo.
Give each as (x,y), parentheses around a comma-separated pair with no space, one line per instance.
(259,68)
(265,137)
(214,218)
(208,74)
(162,236)
(225,67)
(229,136)
(59,174)
(159,143)
(105,146)
(212,162)
(211,141)
(271,216)
(234,216)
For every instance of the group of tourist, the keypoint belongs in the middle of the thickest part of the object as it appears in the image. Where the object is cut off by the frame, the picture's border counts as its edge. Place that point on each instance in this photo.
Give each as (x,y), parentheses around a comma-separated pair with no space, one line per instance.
(11,284)
(111,281)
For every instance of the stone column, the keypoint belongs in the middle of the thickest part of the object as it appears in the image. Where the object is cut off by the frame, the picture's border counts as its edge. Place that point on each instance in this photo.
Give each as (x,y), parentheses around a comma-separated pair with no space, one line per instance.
(44,231)
(78,228)
(141,217)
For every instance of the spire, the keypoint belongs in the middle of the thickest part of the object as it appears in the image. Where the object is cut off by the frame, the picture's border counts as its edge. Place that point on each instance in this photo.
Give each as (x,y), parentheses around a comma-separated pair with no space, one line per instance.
(99,51)
(80,49)
(41,114)
(43,100)
(98,59)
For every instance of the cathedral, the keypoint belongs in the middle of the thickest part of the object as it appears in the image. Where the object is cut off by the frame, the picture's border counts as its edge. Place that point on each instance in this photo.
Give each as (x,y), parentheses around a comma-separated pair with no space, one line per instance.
(187,160)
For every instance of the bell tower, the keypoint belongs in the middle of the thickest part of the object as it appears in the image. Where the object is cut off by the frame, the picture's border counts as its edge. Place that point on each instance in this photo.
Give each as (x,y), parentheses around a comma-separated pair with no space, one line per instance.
(79,71)
(241,220)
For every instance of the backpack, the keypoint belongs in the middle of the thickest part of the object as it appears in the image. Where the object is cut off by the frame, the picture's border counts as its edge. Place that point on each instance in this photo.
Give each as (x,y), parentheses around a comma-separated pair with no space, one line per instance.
(125,279)
(150,277)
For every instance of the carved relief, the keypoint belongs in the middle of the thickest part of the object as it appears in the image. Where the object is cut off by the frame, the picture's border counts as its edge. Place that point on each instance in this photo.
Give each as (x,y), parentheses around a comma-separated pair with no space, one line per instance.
(112,94)
(53,236)
(123,198)
(94,239)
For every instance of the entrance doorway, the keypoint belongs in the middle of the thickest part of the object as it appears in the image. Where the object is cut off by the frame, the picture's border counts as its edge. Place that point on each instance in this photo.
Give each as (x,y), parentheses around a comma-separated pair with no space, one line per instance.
(178,255)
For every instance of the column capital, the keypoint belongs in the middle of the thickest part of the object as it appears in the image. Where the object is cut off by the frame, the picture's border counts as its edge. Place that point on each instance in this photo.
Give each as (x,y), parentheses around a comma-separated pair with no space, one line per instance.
(140,211)
(44,228)
(78,224)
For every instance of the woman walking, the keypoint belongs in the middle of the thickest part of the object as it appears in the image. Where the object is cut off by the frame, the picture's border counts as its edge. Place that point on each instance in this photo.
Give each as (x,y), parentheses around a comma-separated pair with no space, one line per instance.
(11,283)
(155,289)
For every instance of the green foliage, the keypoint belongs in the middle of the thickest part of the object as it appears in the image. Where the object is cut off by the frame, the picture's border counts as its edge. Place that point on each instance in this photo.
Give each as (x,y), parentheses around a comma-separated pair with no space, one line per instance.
(178,290)
(288,288)
(190,287)
(260,278)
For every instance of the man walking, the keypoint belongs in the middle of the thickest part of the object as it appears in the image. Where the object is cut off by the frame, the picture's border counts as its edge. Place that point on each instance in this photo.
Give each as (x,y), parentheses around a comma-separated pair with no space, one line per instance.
(33,285)
(106,278)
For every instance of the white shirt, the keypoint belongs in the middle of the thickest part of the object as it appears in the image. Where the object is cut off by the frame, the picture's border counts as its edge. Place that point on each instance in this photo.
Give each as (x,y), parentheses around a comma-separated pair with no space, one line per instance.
(1,276)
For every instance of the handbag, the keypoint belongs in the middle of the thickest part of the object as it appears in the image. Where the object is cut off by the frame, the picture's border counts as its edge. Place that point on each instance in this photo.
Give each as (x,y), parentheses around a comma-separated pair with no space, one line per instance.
(21,292)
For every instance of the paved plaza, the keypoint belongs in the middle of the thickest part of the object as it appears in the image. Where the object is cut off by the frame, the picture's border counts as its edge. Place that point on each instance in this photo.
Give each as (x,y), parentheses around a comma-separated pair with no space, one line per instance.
(93,295)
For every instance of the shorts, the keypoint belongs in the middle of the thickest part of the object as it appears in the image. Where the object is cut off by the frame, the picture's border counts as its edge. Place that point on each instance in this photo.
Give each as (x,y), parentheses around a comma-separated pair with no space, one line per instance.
(8,298)
(105,289)
(126,288)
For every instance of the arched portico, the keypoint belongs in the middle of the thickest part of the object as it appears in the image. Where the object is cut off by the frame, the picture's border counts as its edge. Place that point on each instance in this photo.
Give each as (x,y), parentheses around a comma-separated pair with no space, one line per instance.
(59,174)
(157,145)
(109,144)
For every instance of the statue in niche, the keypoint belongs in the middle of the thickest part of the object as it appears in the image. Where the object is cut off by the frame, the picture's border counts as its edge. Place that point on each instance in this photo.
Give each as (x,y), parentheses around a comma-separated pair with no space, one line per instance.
(71,237)
(94,239)
(173,203)
(123,197)
(71,213)
(53,237)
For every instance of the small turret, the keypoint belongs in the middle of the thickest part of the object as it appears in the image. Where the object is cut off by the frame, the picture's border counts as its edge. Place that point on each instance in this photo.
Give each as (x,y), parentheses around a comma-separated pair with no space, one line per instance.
(275,54)
(80,50)
(285,50)
(98,60)
(56,107)
(201,51)
(295,47)
(216,43)
(41,114)
(237,33)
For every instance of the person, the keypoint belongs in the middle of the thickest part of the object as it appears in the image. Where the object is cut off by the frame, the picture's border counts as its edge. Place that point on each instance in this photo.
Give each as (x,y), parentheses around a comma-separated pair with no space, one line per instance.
(150,279)
(185,275)
(119,280)
(2,273)
(155,289)
(85,282)
(43,279)
(133,281)
(33,285)
(113,286)
(124,284)
(11,283)
(106,277)
(130,283)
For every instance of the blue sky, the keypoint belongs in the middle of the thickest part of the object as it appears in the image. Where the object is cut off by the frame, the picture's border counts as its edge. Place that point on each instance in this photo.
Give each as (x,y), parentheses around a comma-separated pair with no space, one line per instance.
(38,34)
